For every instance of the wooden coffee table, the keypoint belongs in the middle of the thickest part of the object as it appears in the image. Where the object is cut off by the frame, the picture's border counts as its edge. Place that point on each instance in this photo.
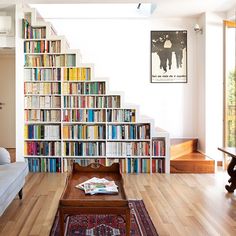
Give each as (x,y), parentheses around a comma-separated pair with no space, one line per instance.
(74,201)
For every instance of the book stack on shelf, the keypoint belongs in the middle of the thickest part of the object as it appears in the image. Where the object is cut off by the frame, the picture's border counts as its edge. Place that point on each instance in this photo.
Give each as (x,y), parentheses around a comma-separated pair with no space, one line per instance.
(70,117)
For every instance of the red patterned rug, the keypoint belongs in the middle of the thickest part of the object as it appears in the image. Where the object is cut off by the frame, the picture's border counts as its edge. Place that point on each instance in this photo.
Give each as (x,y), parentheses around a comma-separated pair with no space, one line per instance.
(108,225)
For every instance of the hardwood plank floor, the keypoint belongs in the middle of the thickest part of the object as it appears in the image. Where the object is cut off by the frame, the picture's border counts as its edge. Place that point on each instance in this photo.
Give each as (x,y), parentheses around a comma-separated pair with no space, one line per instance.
(179,204)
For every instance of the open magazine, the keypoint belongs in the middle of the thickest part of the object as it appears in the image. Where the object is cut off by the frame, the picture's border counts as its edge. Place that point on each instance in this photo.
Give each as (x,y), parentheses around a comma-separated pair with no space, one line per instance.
(96,185)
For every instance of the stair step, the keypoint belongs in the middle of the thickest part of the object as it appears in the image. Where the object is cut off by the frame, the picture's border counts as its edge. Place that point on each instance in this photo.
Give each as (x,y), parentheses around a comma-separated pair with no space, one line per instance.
(182,146)
(192,163)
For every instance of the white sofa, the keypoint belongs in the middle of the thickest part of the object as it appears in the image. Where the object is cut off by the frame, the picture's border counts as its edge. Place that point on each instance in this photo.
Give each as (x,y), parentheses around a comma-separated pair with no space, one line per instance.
(12,179)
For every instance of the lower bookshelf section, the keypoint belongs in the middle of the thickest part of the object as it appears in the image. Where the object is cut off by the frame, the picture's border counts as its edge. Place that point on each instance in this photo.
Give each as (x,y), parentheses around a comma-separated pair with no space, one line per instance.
(127,165)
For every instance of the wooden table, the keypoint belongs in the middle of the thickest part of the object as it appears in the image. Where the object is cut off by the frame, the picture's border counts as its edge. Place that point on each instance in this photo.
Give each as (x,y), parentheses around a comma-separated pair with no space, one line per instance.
(74,201)
(231,151)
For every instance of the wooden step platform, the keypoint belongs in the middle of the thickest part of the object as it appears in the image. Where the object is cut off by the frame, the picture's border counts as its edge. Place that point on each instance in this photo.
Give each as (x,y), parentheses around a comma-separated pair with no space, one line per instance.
(192,163)
(186,159)
(182,146)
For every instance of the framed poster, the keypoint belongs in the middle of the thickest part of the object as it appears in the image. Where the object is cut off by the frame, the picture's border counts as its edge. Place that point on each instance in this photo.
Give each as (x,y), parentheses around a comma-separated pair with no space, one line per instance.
(169,56)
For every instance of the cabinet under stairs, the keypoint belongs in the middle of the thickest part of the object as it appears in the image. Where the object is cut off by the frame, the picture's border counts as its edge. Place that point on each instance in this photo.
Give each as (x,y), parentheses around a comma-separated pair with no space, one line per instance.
(186,159)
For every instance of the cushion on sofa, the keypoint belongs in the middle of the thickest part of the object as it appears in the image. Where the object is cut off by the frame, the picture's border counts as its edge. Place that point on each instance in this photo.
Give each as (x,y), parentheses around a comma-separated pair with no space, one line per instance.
(5,157)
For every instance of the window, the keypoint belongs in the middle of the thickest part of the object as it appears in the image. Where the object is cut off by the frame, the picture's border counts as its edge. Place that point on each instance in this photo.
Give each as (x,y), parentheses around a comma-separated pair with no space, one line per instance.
(230,84)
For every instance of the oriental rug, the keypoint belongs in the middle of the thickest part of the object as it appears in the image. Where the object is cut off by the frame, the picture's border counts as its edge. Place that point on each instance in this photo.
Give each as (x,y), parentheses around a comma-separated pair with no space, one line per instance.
(107,225)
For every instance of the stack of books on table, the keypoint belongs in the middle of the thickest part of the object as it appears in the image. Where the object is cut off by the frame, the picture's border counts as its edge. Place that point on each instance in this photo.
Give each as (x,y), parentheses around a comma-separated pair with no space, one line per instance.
(98,185)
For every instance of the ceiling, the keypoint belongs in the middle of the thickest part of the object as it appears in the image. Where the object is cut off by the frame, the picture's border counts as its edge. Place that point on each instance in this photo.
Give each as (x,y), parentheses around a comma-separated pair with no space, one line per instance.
(165,8)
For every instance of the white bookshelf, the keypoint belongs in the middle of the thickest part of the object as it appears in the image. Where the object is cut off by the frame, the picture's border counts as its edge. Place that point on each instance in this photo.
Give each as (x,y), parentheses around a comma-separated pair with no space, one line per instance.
(81,111)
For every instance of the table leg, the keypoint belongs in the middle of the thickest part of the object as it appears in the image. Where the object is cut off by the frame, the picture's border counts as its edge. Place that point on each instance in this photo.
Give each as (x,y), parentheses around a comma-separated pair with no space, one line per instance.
(61,219)
(128,222)
(232,173)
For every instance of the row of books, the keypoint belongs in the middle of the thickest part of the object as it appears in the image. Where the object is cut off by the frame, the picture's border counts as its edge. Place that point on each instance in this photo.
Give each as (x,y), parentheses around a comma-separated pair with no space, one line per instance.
(30,32)
(91,101)
(40,148)
(44,165)
(142,166)
(42,132)
(131,131)
(42,74)
(158,147)
(42,102)
(77,74)
(84,115)
(128,149)
(42,46)
(84,131)
(79,115)
(84,148)
(42,88)
(121,115)
(84,88)
(99,115)
(57,74)
(46,60)
(43,115)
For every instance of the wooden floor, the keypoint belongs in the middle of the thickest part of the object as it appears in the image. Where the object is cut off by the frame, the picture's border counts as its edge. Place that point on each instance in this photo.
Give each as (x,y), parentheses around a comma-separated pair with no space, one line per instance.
(179,204)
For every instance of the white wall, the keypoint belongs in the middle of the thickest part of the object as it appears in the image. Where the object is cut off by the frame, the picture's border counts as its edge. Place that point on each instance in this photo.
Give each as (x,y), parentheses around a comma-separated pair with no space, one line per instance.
(120,50)
(7,96)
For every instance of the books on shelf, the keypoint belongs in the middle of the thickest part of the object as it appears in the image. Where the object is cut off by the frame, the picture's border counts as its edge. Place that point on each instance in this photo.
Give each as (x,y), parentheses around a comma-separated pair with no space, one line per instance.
(42,88)
(50,132)
(42,74)
(128,149)
(84,149)
(158,147)
(30,32)
(84,131)
(77,74)
(84,101)
(128,131)
(98,186)
(42,148)
(42,115)
(49,60)
(84,115)
(32,101)
(42,46)
(44,165)
(84,88)
(120,115)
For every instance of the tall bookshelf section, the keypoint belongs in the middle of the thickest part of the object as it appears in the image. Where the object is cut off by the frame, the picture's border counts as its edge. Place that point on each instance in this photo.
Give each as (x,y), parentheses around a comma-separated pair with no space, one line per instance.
(70,117)
(44,62)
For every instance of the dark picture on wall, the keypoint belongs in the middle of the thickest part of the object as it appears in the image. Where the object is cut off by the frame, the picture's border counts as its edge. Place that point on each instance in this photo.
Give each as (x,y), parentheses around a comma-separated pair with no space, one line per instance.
(169,56)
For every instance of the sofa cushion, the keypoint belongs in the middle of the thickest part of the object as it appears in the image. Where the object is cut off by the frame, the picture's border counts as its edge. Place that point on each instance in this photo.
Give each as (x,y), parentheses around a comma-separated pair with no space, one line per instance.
(12,179)
(5,157)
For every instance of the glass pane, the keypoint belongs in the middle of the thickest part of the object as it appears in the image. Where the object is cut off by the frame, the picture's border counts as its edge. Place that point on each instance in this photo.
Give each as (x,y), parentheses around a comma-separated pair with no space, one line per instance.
(230,85)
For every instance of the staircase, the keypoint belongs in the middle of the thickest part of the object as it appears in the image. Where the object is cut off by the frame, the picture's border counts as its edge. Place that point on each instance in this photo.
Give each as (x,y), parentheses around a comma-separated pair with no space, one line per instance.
(71,111)
(186,159)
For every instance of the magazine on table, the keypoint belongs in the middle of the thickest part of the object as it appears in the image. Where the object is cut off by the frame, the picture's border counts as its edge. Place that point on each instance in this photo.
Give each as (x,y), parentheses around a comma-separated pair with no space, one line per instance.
(98,185)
